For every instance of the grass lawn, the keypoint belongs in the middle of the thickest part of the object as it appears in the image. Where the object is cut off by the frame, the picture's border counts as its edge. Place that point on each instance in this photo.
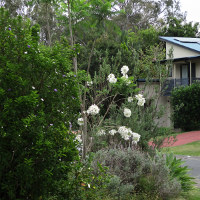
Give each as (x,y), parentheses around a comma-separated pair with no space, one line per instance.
(190,149)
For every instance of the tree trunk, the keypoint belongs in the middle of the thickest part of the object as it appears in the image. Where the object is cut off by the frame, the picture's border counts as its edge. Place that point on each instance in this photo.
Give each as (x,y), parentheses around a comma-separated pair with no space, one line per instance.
(71,36)
(48,36)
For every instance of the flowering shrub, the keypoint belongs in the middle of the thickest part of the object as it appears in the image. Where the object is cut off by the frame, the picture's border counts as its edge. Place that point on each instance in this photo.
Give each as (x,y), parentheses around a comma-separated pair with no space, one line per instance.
(92,115)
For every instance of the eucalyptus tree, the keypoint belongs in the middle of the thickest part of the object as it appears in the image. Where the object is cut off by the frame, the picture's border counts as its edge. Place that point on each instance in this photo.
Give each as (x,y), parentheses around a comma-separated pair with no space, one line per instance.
(43,12)
(141,14)
(15,7)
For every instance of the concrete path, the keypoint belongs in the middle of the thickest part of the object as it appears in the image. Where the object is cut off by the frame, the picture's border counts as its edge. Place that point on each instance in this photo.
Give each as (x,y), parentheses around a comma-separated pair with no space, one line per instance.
(193,163)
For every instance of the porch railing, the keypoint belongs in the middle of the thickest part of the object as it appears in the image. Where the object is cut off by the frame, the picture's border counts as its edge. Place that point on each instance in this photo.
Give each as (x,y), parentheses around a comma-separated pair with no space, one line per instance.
(170,84)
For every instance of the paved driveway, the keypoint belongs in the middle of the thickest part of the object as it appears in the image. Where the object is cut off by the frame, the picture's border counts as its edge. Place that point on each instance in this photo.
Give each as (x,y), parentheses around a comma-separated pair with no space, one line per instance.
(193,162)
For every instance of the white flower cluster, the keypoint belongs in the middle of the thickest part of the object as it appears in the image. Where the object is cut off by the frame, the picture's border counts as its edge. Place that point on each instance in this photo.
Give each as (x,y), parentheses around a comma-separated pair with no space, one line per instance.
(124,132)
(124,71)
(127,112)
(89,83)
(136,137)
(93,110)
(130,99)
(101,132)
(80,121)
(141,99)
(112,132)
(111,78)
(127,133)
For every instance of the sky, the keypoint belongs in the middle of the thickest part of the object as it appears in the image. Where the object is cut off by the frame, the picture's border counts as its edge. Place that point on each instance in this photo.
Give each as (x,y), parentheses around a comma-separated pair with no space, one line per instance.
(192,7)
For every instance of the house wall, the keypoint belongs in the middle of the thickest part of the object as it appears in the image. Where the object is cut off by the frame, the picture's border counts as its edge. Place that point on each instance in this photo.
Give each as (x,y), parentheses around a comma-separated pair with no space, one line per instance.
(198,69)
(179,52)
(163,101)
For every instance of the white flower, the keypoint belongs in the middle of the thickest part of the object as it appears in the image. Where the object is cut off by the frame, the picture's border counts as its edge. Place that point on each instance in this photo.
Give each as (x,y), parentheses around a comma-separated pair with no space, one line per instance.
(126,137)
(141,102)
(80,121)
(93,109)
(130,99)
(25,52)
(89,83)
(33,87)
(111,78)
(139,96)
(78,138)
(124,70)
(112,132)
(42,99)
(101,132)
(141,99)
(136,137)
(127,112)
(124,132)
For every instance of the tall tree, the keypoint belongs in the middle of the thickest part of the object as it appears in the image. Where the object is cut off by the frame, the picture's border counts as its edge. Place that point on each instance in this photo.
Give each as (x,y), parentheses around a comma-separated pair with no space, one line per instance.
(179,28)
(15,7)
(43,12)
(141,14)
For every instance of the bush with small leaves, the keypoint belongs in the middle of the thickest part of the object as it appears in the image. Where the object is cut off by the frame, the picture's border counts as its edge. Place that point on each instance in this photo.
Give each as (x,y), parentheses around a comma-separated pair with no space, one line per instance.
(38,98)
(185,103)
(137,174)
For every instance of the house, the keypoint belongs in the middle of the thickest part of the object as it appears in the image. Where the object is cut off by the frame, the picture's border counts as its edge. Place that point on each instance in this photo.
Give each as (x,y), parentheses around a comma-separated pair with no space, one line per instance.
(185,71)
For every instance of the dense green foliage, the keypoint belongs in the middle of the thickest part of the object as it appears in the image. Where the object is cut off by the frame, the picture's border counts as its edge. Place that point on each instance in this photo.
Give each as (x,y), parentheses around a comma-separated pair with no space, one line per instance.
(185,103)
(179,28)
(38,98)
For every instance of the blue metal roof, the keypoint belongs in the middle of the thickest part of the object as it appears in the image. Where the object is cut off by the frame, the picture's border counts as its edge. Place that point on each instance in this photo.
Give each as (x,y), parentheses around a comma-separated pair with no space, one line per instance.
(189,43)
